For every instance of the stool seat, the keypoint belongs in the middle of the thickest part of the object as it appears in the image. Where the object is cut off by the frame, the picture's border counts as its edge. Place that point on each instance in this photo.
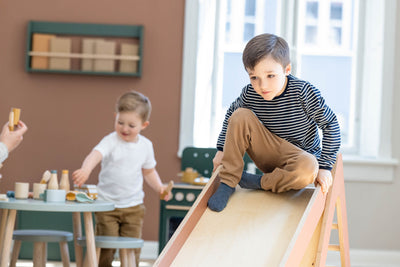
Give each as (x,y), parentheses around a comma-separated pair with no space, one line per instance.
(40,238)
(38,235)
(113,242)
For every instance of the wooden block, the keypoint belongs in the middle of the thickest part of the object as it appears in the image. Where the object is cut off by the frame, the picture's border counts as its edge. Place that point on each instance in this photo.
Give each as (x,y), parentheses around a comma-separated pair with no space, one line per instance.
(60,45)
(167,190)
(88,48)
(104,48)
(129,66)
(17,114)
(11,121)
(40,43)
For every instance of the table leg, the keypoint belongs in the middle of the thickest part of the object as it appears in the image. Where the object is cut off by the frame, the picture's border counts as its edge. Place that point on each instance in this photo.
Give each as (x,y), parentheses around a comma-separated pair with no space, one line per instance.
(77,227)
(90,243)
(4,215)
(8,232)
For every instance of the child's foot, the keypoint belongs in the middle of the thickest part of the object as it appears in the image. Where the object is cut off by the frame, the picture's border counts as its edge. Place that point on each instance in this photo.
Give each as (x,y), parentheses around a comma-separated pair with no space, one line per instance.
(250,181)
(218,201)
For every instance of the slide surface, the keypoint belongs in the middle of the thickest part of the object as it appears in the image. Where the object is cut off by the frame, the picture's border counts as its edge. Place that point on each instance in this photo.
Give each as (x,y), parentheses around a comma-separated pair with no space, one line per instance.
(255,229)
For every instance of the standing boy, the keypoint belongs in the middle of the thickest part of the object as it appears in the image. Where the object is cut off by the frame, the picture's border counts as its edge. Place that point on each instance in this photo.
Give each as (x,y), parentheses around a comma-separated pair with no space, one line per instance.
(126,157)
(275,120)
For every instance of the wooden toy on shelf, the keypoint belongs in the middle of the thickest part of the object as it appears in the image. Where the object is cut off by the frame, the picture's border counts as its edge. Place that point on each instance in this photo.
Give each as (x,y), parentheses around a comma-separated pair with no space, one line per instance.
(84,48)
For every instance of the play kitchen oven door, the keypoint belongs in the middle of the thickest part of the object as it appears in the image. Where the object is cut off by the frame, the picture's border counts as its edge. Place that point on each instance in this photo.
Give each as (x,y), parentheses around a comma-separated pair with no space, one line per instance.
(172,212)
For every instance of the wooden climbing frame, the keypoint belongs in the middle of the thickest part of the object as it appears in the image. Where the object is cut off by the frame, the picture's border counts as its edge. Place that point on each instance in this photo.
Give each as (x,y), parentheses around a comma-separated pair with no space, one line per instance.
(286,229)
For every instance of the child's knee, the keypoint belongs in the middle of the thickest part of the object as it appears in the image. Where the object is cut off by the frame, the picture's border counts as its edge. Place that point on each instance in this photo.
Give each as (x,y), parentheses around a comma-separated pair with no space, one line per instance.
(240,115)
(307,170)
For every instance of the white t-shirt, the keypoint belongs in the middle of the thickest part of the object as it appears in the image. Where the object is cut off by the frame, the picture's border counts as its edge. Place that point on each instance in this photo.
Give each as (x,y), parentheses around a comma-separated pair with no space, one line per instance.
(120,178)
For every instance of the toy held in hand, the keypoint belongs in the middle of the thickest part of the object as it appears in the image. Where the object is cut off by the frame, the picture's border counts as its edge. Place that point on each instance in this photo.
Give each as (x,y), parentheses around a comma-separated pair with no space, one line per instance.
(167,191)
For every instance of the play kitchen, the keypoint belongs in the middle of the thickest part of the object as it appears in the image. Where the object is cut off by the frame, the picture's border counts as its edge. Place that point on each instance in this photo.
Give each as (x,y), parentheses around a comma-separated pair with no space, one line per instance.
(183,196)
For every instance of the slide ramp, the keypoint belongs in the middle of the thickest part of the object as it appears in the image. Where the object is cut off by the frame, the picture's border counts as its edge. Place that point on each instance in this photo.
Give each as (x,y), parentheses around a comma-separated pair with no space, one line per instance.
(257,228)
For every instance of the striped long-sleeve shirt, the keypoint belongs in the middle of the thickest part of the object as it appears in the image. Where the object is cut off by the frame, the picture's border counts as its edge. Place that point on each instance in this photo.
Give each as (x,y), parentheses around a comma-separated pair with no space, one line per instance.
(295,116)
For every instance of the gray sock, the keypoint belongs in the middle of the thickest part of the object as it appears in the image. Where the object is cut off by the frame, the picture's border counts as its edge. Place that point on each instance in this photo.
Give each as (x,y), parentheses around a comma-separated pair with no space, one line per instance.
(250,181)
(218,201)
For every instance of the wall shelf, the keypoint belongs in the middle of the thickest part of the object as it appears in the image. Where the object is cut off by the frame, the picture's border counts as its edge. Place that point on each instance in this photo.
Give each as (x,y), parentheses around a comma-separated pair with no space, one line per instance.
(77,32)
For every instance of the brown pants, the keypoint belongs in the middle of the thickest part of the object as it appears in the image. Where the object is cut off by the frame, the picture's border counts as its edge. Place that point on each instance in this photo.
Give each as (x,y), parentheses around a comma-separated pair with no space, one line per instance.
(284,165)
(119,222)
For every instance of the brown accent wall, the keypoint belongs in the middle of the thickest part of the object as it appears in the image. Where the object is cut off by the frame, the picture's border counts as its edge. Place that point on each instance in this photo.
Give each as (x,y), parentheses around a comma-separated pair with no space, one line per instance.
(68,114)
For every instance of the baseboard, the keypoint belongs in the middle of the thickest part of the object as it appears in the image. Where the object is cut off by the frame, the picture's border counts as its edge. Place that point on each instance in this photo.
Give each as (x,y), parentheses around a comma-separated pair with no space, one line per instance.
(368,258)
(381,258)
(358,257)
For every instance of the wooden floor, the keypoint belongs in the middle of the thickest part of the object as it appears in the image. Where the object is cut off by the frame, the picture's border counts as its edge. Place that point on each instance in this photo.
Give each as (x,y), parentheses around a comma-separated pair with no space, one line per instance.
(27,263)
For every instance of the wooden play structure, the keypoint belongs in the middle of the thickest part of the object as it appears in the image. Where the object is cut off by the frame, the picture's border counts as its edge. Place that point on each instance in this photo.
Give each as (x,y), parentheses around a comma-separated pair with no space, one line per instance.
(260,228)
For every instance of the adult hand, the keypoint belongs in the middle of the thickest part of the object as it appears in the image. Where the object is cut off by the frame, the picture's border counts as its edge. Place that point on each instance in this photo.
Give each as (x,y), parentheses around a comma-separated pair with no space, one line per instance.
(13,138)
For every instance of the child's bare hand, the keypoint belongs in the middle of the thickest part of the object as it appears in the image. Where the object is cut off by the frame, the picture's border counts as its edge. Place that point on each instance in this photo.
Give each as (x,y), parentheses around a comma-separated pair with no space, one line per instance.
(80,176)
(324,178)
(168,193)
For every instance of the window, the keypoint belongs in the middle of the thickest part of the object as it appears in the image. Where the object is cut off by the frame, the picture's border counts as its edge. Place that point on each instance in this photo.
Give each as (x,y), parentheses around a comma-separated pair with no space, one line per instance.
(330,47)
(327,55)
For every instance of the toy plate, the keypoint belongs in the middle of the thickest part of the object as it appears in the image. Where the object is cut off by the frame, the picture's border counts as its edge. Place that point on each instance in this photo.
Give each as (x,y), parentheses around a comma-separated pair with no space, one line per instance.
(201,181)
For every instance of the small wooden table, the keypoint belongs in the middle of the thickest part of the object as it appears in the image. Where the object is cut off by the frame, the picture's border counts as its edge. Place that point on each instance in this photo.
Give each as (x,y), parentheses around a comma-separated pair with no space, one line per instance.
(9,211)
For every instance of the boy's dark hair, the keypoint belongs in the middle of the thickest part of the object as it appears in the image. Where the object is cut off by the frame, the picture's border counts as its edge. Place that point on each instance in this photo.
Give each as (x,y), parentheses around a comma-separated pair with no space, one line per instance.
(136,102)
(265,45)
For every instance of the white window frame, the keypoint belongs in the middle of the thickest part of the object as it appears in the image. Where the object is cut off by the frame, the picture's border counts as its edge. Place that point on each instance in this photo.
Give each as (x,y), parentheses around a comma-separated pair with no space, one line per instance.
(237,24)
(373,162)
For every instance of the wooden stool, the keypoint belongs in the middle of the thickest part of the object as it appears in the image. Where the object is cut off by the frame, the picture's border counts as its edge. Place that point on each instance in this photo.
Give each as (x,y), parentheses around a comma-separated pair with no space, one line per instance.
(124,244)
(40,239)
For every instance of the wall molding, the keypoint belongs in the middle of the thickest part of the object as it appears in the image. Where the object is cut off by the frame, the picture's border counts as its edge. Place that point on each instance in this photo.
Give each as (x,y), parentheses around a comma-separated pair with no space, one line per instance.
(359,169)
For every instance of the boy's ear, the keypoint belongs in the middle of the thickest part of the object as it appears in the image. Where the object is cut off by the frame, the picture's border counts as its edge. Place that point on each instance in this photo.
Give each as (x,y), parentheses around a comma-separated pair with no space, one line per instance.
(288,69)
(145,124)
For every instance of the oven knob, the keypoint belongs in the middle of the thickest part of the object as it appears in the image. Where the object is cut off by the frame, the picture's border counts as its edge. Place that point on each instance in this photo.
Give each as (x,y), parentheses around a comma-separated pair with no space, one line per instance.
(190,197)
(179,196)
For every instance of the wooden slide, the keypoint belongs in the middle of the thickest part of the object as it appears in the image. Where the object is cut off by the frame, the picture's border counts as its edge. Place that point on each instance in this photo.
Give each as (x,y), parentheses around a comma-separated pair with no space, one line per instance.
(260,228)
